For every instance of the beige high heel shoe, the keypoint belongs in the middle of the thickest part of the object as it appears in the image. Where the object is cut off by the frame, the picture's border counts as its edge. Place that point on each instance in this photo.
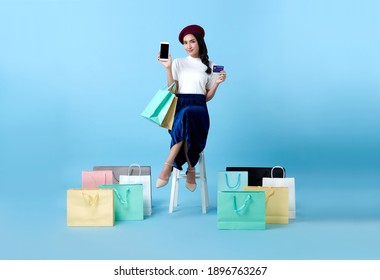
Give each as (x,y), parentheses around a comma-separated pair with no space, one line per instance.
(191,187)
(161,182)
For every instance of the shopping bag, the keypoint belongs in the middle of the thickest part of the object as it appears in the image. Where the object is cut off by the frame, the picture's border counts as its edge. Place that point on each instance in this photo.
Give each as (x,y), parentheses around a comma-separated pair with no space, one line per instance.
(232,180)
(256,174)
(241,210)
(276,203)
(124,170)
(162,107)
(128,201)
(90,207)
(92,179)
(283,182)
(133,177)
(138,174)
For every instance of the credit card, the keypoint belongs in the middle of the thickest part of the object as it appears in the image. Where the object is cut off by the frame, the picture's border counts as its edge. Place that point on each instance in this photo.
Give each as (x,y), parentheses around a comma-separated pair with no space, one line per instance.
(217,68)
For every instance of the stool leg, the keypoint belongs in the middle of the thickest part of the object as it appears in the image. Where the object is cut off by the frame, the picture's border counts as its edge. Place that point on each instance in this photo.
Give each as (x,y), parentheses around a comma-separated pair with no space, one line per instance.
(203,197)
(206,192)
(203,183)
(205,180)
(174,189)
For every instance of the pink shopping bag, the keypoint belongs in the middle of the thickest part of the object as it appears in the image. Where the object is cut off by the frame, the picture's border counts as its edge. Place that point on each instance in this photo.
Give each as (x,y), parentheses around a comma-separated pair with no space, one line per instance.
(92,179)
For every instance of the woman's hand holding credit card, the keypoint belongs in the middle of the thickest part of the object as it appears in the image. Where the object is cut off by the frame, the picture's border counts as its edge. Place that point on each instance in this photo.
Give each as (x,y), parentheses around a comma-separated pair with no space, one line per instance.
(219,69)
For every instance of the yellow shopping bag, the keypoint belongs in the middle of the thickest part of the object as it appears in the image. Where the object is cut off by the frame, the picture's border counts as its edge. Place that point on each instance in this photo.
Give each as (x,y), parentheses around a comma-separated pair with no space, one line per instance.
(90,207)
(277,203)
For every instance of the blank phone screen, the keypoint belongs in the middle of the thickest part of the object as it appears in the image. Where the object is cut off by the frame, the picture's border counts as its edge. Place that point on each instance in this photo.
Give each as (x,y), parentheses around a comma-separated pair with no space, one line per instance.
(164,52)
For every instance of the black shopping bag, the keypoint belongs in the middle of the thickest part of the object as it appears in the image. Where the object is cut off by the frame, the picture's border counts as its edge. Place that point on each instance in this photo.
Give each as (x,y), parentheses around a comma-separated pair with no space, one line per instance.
(256,174)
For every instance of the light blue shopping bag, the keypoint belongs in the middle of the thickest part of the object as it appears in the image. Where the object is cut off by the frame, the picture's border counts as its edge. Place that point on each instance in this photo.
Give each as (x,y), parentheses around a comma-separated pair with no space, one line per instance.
(161,108)
(232,180)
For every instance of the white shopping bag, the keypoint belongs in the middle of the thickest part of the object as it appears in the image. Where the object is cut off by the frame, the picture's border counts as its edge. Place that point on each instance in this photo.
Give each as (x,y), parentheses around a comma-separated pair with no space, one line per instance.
(284,182)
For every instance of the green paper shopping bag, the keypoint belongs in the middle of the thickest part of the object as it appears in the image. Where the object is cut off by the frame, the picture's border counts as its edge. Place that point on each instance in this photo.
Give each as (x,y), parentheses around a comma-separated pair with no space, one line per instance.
(161,108)
(128,201)
(241,210)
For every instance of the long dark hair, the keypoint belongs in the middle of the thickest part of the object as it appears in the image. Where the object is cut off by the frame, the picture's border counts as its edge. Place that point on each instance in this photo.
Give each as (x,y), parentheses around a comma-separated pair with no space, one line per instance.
(203,53)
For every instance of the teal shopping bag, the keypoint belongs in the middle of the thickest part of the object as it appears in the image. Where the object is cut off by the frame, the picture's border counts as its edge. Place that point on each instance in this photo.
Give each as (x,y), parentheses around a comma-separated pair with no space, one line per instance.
(128,201)
(241,210)
(232,180)
(161,108)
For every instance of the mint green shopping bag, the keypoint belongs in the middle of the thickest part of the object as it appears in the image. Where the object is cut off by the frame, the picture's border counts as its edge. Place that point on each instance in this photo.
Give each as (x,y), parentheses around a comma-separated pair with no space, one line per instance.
(128,201)
(241,210)
(161,109)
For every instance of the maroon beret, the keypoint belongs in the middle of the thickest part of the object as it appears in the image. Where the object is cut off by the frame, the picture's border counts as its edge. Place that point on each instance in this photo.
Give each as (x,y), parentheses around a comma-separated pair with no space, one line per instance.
(191,29)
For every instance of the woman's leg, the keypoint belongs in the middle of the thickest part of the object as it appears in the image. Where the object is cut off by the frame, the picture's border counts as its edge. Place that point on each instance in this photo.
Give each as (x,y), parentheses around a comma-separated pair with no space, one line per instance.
(190,178)
(168,166)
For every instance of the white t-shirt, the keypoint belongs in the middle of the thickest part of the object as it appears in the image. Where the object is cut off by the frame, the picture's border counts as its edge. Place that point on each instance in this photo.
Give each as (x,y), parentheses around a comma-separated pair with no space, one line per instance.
(191,76)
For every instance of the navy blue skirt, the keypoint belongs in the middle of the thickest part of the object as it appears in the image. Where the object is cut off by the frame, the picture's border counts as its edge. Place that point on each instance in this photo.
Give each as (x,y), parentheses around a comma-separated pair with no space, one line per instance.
(191,124)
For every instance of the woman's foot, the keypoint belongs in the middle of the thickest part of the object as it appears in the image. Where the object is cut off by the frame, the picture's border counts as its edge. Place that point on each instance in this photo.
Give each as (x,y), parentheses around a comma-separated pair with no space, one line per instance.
(190,179)
(163,179)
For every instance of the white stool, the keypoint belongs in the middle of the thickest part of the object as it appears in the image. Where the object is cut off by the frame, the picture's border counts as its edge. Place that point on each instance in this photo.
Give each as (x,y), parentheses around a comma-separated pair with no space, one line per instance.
(201,175)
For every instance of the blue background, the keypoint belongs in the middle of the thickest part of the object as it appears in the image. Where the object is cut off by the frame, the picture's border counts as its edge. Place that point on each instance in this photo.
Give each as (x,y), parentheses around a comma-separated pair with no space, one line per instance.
(303,91)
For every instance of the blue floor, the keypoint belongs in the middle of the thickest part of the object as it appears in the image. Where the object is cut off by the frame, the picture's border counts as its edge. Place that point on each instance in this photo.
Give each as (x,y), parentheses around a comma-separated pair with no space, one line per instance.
(337,219)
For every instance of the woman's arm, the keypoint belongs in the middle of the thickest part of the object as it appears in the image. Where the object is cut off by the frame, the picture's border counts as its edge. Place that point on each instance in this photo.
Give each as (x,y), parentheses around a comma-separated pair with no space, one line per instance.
(171,80)
(211,92)
(168,66)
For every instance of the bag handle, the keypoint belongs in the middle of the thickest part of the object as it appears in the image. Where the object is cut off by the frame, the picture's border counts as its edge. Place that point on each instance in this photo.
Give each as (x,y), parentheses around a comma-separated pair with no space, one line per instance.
(129,171)
(268,194)
(245,204)
(278,166)
(90,199)
(174,84)
(120,198)
(134,164)
(228,183)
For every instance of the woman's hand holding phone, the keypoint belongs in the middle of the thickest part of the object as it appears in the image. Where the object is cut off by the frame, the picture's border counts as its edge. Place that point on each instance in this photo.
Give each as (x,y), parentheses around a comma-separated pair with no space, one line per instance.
(167,63)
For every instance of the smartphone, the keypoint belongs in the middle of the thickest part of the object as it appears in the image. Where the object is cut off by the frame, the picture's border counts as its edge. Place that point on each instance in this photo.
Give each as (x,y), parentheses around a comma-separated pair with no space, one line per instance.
(164,51)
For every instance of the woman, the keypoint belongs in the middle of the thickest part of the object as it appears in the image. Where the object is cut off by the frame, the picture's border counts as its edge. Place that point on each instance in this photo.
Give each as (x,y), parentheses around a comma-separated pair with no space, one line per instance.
(196,84)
